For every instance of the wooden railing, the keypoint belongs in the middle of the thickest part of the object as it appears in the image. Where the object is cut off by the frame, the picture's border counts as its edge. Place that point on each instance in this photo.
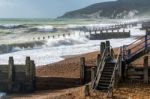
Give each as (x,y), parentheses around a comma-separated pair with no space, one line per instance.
(116,68)
(100,68)
(137,46)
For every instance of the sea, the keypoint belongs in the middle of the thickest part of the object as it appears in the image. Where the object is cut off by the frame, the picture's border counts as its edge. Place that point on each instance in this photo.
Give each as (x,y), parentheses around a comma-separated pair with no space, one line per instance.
(15,31)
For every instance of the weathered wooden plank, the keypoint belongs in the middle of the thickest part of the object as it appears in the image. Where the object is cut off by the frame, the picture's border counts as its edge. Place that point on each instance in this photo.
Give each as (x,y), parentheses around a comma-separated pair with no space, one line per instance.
(82,70)
(20,68)
(146,69)
(3,76)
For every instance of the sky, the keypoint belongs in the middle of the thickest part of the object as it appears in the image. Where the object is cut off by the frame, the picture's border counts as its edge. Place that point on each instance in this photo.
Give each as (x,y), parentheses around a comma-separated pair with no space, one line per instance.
(41,8)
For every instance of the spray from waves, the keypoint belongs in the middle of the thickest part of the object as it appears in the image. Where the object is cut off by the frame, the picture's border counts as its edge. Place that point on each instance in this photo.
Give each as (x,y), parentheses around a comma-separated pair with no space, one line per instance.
(7,48)
(68,41)
(43,28)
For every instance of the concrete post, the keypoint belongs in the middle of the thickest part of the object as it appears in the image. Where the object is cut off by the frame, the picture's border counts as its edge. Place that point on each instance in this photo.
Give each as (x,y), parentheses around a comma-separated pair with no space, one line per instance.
(82,70)
(11,72)
(146,69)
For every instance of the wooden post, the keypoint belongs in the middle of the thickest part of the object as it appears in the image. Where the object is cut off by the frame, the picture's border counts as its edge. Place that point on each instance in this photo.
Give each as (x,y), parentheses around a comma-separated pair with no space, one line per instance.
(11,76)
(129,52)
(95,31)
(146,69)
(123,31)
(108,46)
(118,31)
(103,46)
(28,67)
(110,92)
(33,74)
(32,70)
(106,31)
(87,90)
(98,59)
(120,67)
(82,70)
(93,73)
(146,40)
(111,51)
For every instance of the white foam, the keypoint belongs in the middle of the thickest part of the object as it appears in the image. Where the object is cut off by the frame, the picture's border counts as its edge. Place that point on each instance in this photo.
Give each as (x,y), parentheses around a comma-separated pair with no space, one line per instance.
(46,28)
(49,54)
(11,25)
(89,26)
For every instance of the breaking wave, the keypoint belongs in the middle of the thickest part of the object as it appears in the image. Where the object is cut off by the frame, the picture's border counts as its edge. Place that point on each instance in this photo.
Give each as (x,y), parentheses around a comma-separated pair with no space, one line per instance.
(12,26)
(66,41)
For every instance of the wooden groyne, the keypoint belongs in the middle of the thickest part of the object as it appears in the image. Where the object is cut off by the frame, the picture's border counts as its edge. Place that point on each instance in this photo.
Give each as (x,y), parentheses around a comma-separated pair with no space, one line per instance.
(109,35)
(17,77)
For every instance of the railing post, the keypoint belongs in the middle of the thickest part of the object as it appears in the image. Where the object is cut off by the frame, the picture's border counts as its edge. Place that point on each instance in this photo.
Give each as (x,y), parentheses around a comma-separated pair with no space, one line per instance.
(98,60)
(82,70)
(146,39)
(129,52)
(102,47)
(108,46)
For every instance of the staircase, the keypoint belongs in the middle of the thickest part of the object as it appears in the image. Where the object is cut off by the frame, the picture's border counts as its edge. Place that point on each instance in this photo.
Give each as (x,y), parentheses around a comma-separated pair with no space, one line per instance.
(106,76)
(106,71)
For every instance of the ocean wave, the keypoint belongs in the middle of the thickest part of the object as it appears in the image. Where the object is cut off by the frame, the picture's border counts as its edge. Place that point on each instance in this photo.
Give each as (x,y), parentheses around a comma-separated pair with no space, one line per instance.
(8,48)
(11,26)
(89,26)
(66,41)
(47,28)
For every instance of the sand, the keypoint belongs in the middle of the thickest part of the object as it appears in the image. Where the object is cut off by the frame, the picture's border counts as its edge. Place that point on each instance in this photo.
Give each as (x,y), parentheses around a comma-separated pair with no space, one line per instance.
(62,81)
